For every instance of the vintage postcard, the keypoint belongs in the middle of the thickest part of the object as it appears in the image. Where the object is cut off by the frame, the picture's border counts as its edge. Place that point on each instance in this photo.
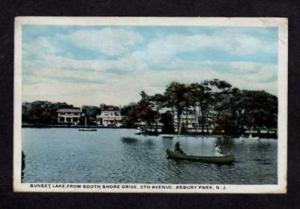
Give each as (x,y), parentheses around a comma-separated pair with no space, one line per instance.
(150,105)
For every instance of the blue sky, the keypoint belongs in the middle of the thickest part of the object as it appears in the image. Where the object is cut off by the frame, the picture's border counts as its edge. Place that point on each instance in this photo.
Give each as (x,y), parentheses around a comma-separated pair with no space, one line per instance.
(112,64)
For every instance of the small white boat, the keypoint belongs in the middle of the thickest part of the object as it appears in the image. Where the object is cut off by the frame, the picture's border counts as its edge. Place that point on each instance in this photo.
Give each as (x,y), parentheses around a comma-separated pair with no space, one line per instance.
(253,138)
(138,132)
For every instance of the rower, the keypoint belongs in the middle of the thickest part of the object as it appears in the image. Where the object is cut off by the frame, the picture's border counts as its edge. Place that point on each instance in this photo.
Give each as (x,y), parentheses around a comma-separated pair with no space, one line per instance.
(178,149)
(218,150)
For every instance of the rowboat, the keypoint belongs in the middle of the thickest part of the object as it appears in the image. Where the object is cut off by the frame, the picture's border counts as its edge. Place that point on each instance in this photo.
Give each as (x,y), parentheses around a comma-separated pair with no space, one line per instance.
(223,159)
(87,129)
(167,136)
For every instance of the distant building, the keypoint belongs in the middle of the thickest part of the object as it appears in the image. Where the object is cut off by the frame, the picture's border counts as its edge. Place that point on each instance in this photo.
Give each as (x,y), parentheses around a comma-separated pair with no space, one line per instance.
(69,116)
(188,120)
(110,117)
(191,121)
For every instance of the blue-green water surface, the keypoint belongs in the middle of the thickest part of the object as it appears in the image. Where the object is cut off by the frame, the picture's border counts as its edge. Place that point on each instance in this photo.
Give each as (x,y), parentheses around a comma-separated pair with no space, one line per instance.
(67,155)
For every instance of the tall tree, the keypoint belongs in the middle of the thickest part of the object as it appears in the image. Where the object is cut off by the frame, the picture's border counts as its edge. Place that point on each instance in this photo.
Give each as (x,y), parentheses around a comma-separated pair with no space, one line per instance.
(157,102)
(175,100)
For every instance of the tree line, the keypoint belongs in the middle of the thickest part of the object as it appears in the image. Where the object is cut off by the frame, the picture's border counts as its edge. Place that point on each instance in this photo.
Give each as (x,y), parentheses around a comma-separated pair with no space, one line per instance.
(45,112)
(214,103)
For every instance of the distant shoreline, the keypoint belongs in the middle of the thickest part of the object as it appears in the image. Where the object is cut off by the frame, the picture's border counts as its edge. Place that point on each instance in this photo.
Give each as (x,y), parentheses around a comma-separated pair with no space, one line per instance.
(261,135)
(66,126)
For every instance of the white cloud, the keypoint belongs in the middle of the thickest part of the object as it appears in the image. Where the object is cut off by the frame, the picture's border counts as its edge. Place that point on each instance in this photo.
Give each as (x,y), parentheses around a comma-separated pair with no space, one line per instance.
(151,68)
(122,89)
(39,46)
(109,41)
(163,49)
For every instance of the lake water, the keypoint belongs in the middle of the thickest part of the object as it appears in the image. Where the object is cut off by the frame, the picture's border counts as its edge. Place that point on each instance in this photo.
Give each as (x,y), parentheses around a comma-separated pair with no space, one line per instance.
(119,156)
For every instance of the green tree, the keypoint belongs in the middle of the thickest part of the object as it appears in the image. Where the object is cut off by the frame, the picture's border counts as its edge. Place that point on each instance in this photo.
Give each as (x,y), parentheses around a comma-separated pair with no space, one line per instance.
(173,95)
(157,102)
(168,123)
(176,98)
(139,112)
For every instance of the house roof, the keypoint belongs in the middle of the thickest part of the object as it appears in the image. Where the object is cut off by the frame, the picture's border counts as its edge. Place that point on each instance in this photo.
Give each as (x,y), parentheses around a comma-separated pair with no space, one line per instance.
(72,110)
(110,108)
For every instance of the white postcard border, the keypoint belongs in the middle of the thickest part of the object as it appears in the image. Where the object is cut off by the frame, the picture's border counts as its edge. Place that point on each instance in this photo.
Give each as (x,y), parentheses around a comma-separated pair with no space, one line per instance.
(280,187)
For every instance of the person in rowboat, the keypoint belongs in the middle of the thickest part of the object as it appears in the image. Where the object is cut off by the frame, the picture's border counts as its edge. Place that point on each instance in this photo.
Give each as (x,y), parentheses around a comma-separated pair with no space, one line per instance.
(178,148)
(218,150)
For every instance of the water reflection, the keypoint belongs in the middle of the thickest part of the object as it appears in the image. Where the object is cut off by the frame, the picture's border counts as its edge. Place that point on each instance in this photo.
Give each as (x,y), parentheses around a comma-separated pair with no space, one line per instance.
(129,140)
(226,142)
(120,156)
(149,142)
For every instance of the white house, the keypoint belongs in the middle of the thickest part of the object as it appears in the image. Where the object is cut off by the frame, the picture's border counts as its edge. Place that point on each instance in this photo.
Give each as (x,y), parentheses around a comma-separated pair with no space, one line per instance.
(191,121)
(69,116)
(110,117)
